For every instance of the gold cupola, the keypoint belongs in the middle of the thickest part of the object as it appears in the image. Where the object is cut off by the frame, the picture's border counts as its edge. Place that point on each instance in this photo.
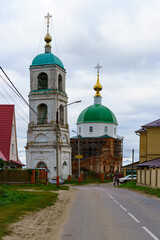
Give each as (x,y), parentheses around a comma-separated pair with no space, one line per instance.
(48,37)
(98,86)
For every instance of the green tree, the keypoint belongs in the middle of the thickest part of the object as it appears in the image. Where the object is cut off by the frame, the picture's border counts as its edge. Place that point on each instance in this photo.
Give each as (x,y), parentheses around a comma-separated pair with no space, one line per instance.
(1,163)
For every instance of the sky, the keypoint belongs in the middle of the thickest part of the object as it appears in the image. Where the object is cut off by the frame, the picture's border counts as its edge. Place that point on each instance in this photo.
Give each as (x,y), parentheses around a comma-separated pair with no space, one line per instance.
(122,36)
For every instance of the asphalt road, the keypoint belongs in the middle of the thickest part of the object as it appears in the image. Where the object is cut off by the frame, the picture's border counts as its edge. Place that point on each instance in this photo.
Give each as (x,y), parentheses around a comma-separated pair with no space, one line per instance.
(107,213)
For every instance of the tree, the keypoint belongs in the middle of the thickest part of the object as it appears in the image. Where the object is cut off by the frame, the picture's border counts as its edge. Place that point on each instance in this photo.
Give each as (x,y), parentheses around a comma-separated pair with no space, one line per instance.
(1,163)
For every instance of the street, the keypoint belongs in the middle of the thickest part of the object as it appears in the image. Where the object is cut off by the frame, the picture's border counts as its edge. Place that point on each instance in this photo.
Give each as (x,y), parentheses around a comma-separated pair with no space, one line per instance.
(104,212)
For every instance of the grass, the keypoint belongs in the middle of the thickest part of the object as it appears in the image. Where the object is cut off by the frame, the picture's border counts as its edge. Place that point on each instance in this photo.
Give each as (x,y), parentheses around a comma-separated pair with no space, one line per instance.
(38,187)
(89,181)
(15,202)
(148,190)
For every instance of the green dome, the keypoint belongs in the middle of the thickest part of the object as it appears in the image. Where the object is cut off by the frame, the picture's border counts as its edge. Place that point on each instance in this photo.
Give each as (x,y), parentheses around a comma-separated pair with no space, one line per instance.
(46,59)
(97,113)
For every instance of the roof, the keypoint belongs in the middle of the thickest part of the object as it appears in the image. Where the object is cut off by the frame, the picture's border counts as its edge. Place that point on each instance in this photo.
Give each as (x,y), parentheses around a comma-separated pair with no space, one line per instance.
(46,59)
(2,156)
(6,118)
(155,123)
(140,130)
(17,162)
(131,164)
(151,163)
(97,113)
(104,136)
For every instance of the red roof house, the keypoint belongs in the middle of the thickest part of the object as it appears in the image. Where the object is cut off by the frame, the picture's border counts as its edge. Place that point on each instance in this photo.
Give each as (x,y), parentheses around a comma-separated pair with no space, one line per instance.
(8,137)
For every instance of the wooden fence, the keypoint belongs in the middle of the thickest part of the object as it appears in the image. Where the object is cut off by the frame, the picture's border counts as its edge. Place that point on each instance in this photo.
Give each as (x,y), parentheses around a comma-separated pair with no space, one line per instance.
(27,176)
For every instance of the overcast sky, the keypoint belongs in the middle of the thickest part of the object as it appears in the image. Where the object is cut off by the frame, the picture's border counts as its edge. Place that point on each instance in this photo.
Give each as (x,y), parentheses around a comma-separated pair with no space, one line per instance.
(123,36)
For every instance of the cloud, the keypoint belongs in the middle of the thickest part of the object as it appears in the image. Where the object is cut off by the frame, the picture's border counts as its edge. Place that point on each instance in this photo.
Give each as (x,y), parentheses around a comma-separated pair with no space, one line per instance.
(123,36)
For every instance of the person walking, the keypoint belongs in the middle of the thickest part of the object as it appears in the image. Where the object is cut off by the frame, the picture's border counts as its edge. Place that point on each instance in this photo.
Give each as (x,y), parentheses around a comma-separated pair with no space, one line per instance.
(117,180)
(114,181)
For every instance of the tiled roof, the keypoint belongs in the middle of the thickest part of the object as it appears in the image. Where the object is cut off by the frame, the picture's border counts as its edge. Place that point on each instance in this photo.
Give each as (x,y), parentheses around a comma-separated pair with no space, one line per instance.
(2,156)
(151,163)
(6,118)
(155,123)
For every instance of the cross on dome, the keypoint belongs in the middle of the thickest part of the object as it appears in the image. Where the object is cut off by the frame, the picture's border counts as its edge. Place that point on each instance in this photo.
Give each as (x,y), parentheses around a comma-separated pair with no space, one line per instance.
(48,38)
(48,17)
(98,67)
(98,86)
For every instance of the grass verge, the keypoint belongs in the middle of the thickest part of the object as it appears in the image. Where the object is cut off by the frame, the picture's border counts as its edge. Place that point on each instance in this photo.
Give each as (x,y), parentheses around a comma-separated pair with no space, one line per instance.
(148,190)
(38,187)
(14,202)
(90,181)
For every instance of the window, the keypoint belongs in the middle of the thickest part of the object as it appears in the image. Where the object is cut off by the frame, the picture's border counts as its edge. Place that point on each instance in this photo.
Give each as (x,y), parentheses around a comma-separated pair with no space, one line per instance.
(61,115)
(114,131)
(105,129)
(12,130)
(42,114)
(41,165)
(90,129)
(42,81)
(12,148)
(79,130)
(60,82)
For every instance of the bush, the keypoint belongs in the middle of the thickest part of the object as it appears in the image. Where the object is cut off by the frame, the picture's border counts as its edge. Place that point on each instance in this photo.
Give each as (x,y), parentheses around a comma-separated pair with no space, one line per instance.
(2,163)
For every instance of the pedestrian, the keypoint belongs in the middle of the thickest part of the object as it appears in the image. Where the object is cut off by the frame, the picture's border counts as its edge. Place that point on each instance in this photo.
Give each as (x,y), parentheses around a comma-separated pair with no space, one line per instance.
(114,181)
(117,180)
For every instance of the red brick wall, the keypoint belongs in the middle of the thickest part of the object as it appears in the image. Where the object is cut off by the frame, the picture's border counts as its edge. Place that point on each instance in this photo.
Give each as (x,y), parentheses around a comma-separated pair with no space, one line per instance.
(107,161)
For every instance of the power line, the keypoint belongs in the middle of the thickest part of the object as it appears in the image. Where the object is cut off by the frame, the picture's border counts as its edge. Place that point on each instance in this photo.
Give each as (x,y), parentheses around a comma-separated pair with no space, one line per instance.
(54,36)
(17,92)
(5,90)
(41,37)
(16,109)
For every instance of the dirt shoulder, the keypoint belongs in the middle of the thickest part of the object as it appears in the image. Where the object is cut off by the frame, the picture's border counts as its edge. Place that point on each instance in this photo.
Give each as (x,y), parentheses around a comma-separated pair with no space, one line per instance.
(46,223)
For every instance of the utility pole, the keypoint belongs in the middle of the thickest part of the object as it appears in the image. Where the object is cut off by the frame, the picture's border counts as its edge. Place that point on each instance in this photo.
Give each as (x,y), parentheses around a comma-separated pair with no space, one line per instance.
(57,138)
(57,147)
(78,156)
(132,161)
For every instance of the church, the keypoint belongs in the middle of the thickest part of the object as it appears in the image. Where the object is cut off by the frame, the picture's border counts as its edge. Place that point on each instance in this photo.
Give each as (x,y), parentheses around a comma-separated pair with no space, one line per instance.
(48,139)
(97,143)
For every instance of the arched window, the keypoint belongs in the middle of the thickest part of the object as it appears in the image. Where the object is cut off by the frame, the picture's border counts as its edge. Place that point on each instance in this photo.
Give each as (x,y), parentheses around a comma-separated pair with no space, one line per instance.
(79,130)
(42,81)
(42,114)
(60,82)
(41,165)
(90,129)
(105,129)
(61,110)
(114,131)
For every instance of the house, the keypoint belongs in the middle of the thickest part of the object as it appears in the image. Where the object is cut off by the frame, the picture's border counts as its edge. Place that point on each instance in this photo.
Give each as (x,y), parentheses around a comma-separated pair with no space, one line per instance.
(148,172)
(8,137)
(128,169)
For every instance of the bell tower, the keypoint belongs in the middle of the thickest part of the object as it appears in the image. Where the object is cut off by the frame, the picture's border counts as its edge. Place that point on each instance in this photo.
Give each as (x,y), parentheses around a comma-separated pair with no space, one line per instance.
(47,96)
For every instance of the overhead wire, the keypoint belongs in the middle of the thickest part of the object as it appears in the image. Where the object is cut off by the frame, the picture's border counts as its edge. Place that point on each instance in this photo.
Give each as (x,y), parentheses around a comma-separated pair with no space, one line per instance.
(52,25)
(41,37)
(5,90)
(18,112)
(17,92)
